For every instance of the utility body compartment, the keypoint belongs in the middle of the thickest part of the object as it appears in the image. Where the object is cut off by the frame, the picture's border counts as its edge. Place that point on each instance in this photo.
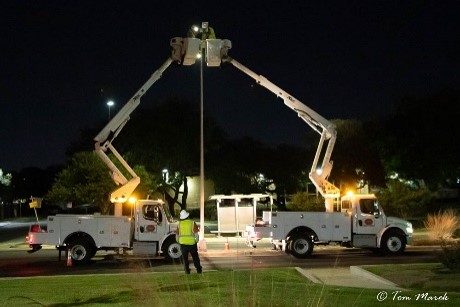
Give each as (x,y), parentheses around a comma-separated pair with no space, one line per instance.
(334,226)
(105,230)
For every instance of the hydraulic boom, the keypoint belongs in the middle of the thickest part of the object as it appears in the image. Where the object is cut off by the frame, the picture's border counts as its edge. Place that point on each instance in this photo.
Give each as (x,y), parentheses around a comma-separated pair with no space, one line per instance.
(183,51)
(327,131)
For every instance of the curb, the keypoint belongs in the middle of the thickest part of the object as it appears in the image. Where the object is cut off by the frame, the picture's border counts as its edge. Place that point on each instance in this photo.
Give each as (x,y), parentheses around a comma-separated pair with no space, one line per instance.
(360,272)
(307,274)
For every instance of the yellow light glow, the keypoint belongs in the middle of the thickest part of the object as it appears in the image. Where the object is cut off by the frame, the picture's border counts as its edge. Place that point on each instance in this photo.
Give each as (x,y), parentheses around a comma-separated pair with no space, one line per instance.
(350,193)
(132,200)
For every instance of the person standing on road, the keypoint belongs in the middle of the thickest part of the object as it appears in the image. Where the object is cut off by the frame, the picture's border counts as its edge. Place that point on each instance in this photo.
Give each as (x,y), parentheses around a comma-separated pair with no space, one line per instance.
(186,238)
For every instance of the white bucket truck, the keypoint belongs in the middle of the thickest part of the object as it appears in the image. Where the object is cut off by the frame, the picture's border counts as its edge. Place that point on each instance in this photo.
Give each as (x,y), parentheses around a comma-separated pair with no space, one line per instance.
(149,232)
(360,223)
(360,220)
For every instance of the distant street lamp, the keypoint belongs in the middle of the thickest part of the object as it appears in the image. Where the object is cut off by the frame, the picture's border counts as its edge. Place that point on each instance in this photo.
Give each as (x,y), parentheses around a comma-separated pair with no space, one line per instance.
(165,173)
(110,103)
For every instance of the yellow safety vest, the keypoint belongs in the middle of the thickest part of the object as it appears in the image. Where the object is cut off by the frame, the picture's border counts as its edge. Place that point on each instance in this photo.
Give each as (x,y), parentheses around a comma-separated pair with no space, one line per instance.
(209,35)
(186,234)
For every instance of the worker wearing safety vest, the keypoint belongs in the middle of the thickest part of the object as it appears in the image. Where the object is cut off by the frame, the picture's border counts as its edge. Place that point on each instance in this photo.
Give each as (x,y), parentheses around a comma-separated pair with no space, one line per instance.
(208,33)
(186,238)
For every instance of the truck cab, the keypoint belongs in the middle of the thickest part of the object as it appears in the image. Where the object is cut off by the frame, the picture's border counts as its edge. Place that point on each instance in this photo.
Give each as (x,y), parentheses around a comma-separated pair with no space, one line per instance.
(372,228)
(154,229)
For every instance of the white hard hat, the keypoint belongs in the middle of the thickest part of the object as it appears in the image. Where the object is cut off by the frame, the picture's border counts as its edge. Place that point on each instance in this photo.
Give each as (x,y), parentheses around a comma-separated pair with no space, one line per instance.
(184,214)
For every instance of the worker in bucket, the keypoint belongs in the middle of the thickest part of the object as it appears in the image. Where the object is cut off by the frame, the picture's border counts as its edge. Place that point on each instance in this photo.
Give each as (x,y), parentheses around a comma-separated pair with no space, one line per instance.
(204,32)
(187,238)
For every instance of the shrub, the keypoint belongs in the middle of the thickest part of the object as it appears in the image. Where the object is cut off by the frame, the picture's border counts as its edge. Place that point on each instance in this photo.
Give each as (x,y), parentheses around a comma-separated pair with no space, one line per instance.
(450,255)
(303,202)
(442,225)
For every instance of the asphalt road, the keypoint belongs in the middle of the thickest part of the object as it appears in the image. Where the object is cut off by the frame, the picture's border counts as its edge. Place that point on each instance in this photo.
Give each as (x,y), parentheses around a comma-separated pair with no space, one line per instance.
(15,261)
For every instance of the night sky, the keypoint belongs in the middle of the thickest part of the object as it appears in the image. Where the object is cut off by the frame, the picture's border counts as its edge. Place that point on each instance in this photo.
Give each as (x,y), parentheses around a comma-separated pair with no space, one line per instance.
(61,61)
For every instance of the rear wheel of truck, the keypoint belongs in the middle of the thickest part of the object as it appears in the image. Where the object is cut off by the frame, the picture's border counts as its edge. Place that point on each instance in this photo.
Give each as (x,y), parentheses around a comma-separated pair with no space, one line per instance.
(301,245)
(81,251)
(171,250)
(393,243)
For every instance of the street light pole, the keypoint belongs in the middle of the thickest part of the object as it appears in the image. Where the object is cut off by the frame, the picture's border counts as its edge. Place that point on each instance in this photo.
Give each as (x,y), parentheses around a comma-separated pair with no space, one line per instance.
(202,242)
(110,103)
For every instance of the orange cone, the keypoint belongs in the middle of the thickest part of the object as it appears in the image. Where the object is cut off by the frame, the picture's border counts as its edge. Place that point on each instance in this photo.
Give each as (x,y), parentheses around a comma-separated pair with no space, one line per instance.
(69,258)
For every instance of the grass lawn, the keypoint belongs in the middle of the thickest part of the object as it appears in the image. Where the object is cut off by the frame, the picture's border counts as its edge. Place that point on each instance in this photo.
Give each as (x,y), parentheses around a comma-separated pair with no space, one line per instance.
(429,276)
(257,287)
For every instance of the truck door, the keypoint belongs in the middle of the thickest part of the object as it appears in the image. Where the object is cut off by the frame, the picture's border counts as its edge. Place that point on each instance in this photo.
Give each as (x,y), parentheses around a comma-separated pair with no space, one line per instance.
(367,218)
(150,222)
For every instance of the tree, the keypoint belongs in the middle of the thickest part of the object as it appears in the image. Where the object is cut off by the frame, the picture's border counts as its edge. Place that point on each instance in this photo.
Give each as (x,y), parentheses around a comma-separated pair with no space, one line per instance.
(302,201)
(401,200)
(420,138)
(5,179)
(234,165)
(83,181)
(5,187)
(356,163)
(167,136)
(149,184)
(170,188)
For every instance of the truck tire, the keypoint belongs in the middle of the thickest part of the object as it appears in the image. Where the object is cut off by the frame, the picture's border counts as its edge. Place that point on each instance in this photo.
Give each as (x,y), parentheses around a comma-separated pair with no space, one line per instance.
(301,245)
(171,250)
(81,251)
(393,243)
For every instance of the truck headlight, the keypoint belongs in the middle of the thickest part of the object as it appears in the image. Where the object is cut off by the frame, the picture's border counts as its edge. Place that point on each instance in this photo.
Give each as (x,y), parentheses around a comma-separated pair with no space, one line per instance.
(409,229)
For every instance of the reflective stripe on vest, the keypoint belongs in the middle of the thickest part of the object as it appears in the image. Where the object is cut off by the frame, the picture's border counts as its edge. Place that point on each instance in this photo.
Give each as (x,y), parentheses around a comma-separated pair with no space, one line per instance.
(186,234)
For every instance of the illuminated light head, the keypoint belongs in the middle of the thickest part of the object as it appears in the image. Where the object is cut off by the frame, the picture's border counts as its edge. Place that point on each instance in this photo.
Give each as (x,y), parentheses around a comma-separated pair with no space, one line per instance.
(132,200)
(350,193)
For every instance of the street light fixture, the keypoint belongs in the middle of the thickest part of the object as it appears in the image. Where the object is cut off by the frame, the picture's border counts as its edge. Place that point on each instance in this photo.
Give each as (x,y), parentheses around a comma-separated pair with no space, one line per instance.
(110,103)
(165,173)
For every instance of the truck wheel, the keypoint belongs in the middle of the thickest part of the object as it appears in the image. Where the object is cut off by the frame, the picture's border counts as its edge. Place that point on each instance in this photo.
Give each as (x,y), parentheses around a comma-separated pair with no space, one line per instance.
(392,243)
(81,251)
(301,246)
(171,250)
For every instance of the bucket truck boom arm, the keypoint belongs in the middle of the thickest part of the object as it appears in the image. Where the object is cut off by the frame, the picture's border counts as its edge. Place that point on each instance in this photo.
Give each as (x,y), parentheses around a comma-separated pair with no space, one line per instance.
(183,51)
(105,138)
(325,128)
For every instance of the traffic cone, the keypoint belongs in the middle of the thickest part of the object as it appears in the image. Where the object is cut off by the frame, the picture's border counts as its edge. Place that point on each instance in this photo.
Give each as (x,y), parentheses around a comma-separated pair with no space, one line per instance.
(226,246)
(69,258)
